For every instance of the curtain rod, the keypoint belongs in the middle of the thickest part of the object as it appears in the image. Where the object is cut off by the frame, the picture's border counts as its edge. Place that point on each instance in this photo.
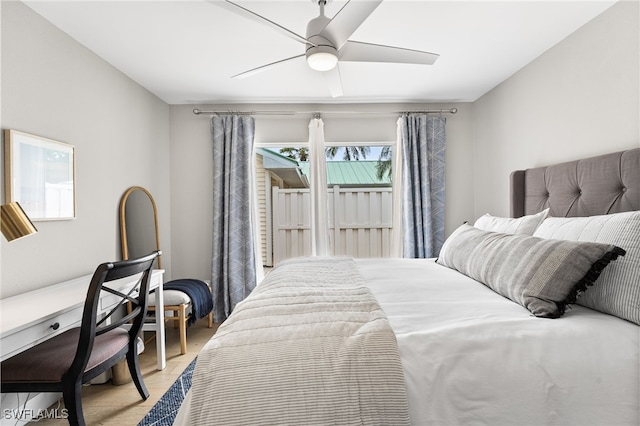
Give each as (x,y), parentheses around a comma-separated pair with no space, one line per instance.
(428,111)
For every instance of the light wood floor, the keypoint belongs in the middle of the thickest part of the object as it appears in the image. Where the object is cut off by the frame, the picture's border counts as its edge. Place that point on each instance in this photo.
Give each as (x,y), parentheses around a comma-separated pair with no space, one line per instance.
(107,404)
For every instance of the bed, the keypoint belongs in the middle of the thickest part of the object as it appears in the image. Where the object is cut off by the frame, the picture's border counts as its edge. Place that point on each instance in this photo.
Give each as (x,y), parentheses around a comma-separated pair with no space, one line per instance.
(530,320)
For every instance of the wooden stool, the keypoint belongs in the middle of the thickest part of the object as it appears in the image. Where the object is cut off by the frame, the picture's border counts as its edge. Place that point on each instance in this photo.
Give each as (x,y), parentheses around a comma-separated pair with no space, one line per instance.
(179,304)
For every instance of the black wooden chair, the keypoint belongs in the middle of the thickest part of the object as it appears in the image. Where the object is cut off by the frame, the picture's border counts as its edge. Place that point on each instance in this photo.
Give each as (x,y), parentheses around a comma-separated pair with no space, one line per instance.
(66,361)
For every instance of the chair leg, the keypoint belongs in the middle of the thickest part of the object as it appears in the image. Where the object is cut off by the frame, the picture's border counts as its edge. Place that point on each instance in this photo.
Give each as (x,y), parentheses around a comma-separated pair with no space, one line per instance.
(72,396)
(134,369)
(210,319)
(182,316)
(176,314)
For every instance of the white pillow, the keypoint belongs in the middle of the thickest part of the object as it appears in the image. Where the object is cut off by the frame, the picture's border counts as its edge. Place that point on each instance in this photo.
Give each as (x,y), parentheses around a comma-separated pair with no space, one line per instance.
(506,225)
(617,290)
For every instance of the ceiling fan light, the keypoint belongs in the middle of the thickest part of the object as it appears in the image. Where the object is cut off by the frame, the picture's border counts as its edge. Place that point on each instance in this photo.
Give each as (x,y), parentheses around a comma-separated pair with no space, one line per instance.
(322,61)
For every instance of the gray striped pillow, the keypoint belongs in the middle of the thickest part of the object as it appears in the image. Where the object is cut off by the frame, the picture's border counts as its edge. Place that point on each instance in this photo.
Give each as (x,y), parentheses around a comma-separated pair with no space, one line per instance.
(618,289)
(542,275)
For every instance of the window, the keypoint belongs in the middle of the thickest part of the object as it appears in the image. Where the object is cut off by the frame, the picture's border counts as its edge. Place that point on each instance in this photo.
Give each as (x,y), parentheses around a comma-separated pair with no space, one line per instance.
(359,200)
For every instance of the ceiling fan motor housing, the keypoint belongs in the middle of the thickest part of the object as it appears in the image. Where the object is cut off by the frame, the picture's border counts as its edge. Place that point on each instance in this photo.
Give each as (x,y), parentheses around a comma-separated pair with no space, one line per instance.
(323,56)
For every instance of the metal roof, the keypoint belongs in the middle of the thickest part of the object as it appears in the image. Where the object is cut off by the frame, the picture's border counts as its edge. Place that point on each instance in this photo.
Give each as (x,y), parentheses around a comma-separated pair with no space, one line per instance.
(351,173)
(274,160)
(286,168)
(344,173)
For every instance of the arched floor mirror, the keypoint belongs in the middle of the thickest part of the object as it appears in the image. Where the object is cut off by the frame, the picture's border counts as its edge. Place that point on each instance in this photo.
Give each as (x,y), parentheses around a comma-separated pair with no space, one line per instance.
(138,224)
(139,236)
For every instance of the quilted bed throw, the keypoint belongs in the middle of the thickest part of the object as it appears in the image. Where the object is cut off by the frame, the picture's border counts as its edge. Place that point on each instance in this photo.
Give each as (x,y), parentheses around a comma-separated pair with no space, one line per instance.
(309,346)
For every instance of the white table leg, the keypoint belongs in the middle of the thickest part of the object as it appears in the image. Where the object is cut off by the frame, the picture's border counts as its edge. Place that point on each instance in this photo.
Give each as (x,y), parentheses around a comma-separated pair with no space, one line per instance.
(160,341)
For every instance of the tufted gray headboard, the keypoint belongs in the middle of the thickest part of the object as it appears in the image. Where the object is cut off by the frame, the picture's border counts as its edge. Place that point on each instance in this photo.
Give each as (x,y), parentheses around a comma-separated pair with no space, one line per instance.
(593,186)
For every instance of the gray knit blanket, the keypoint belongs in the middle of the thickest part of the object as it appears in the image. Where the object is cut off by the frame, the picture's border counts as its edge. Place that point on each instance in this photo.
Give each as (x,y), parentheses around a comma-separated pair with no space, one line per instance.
(309,346)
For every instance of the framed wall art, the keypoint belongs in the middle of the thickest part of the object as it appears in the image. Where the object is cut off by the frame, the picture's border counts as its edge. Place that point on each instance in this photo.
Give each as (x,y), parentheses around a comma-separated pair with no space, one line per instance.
(40,175)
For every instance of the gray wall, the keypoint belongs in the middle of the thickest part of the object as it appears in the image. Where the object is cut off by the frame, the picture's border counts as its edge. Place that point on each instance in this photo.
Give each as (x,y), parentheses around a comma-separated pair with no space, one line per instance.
(191,163)
(579,99)
(54,87)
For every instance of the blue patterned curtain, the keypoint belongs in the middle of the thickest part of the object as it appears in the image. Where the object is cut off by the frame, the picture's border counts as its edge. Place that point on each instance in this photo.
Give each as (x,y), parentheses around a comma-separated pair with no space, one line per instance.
(423,184)
(233,267)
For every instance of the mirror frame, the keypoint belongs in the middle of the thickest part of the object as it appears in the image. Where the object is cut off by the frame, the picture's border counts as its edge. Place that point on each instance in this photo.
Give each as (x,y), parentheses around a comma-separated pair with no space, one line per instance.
(123,222)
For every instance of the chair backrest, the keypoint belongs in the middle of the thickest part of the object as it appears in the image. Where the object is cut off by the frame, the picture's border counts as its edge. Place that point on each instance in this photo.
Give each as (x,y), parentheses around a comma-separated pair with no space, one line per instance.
(91,326)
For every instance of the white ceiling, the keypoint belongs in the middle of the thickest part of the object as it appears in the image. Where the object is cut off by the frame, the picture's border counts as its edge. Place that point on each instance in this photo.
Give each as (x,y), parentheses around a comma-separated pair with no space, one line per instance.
(186,51)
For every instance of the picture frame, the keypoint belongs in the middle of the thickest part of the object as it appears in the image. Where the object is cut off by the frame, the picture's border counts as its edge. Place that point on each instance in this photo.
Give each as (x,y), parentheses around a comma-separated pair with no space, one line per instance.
(40,174)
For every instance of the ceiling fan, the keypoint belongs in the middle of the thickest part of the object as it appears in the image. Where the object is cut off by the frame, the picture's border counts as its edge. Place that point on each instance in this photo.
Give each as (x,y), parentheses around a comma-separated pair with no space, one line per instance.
(327,42)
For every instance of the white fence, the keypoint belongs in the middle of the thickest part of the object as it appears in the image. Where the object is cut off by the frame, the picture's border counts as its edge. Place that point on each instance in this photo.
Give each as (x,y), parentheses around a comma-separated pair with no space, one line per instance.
(360,221)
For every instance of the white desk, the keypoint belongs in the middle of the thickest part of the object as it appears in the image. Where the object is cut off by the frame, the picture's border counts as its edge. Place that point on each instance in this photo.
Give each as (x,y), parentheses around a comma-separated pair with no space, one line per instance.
(30,318)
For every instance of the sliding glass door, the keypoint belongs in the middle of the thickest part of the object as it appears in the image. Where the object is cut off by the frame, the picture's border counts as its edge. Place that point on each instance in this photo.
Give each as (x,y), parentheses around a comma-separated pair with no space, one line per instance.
(359,200)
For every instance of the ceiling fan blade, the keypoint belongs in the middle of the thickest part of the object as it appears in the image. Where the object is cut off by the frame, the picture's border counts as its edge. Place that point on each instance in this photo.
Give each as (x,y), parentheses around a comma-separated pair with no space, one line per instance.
(265,67)
(236,8)
(347,20)
(356,51)
(334,81)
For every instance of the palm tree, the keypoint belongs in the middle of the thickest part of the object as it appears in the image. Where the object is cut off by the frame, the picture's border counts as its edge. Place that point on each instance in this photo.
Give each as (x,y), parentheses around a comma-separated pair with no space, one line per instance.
(350,152)
(384,168)
(298,154)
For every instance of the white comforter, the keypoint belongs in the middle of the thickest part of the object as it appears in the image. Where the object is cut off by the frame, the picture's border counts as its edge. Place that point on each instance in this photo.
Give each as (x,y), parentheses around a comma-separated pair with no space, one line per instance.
(472,357)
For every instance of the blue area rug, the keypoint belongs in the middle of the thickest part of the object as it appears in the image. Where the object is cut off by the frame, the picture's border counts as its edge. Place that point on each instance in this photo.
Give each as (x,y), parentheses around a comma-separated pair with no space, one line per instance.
(165,410)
